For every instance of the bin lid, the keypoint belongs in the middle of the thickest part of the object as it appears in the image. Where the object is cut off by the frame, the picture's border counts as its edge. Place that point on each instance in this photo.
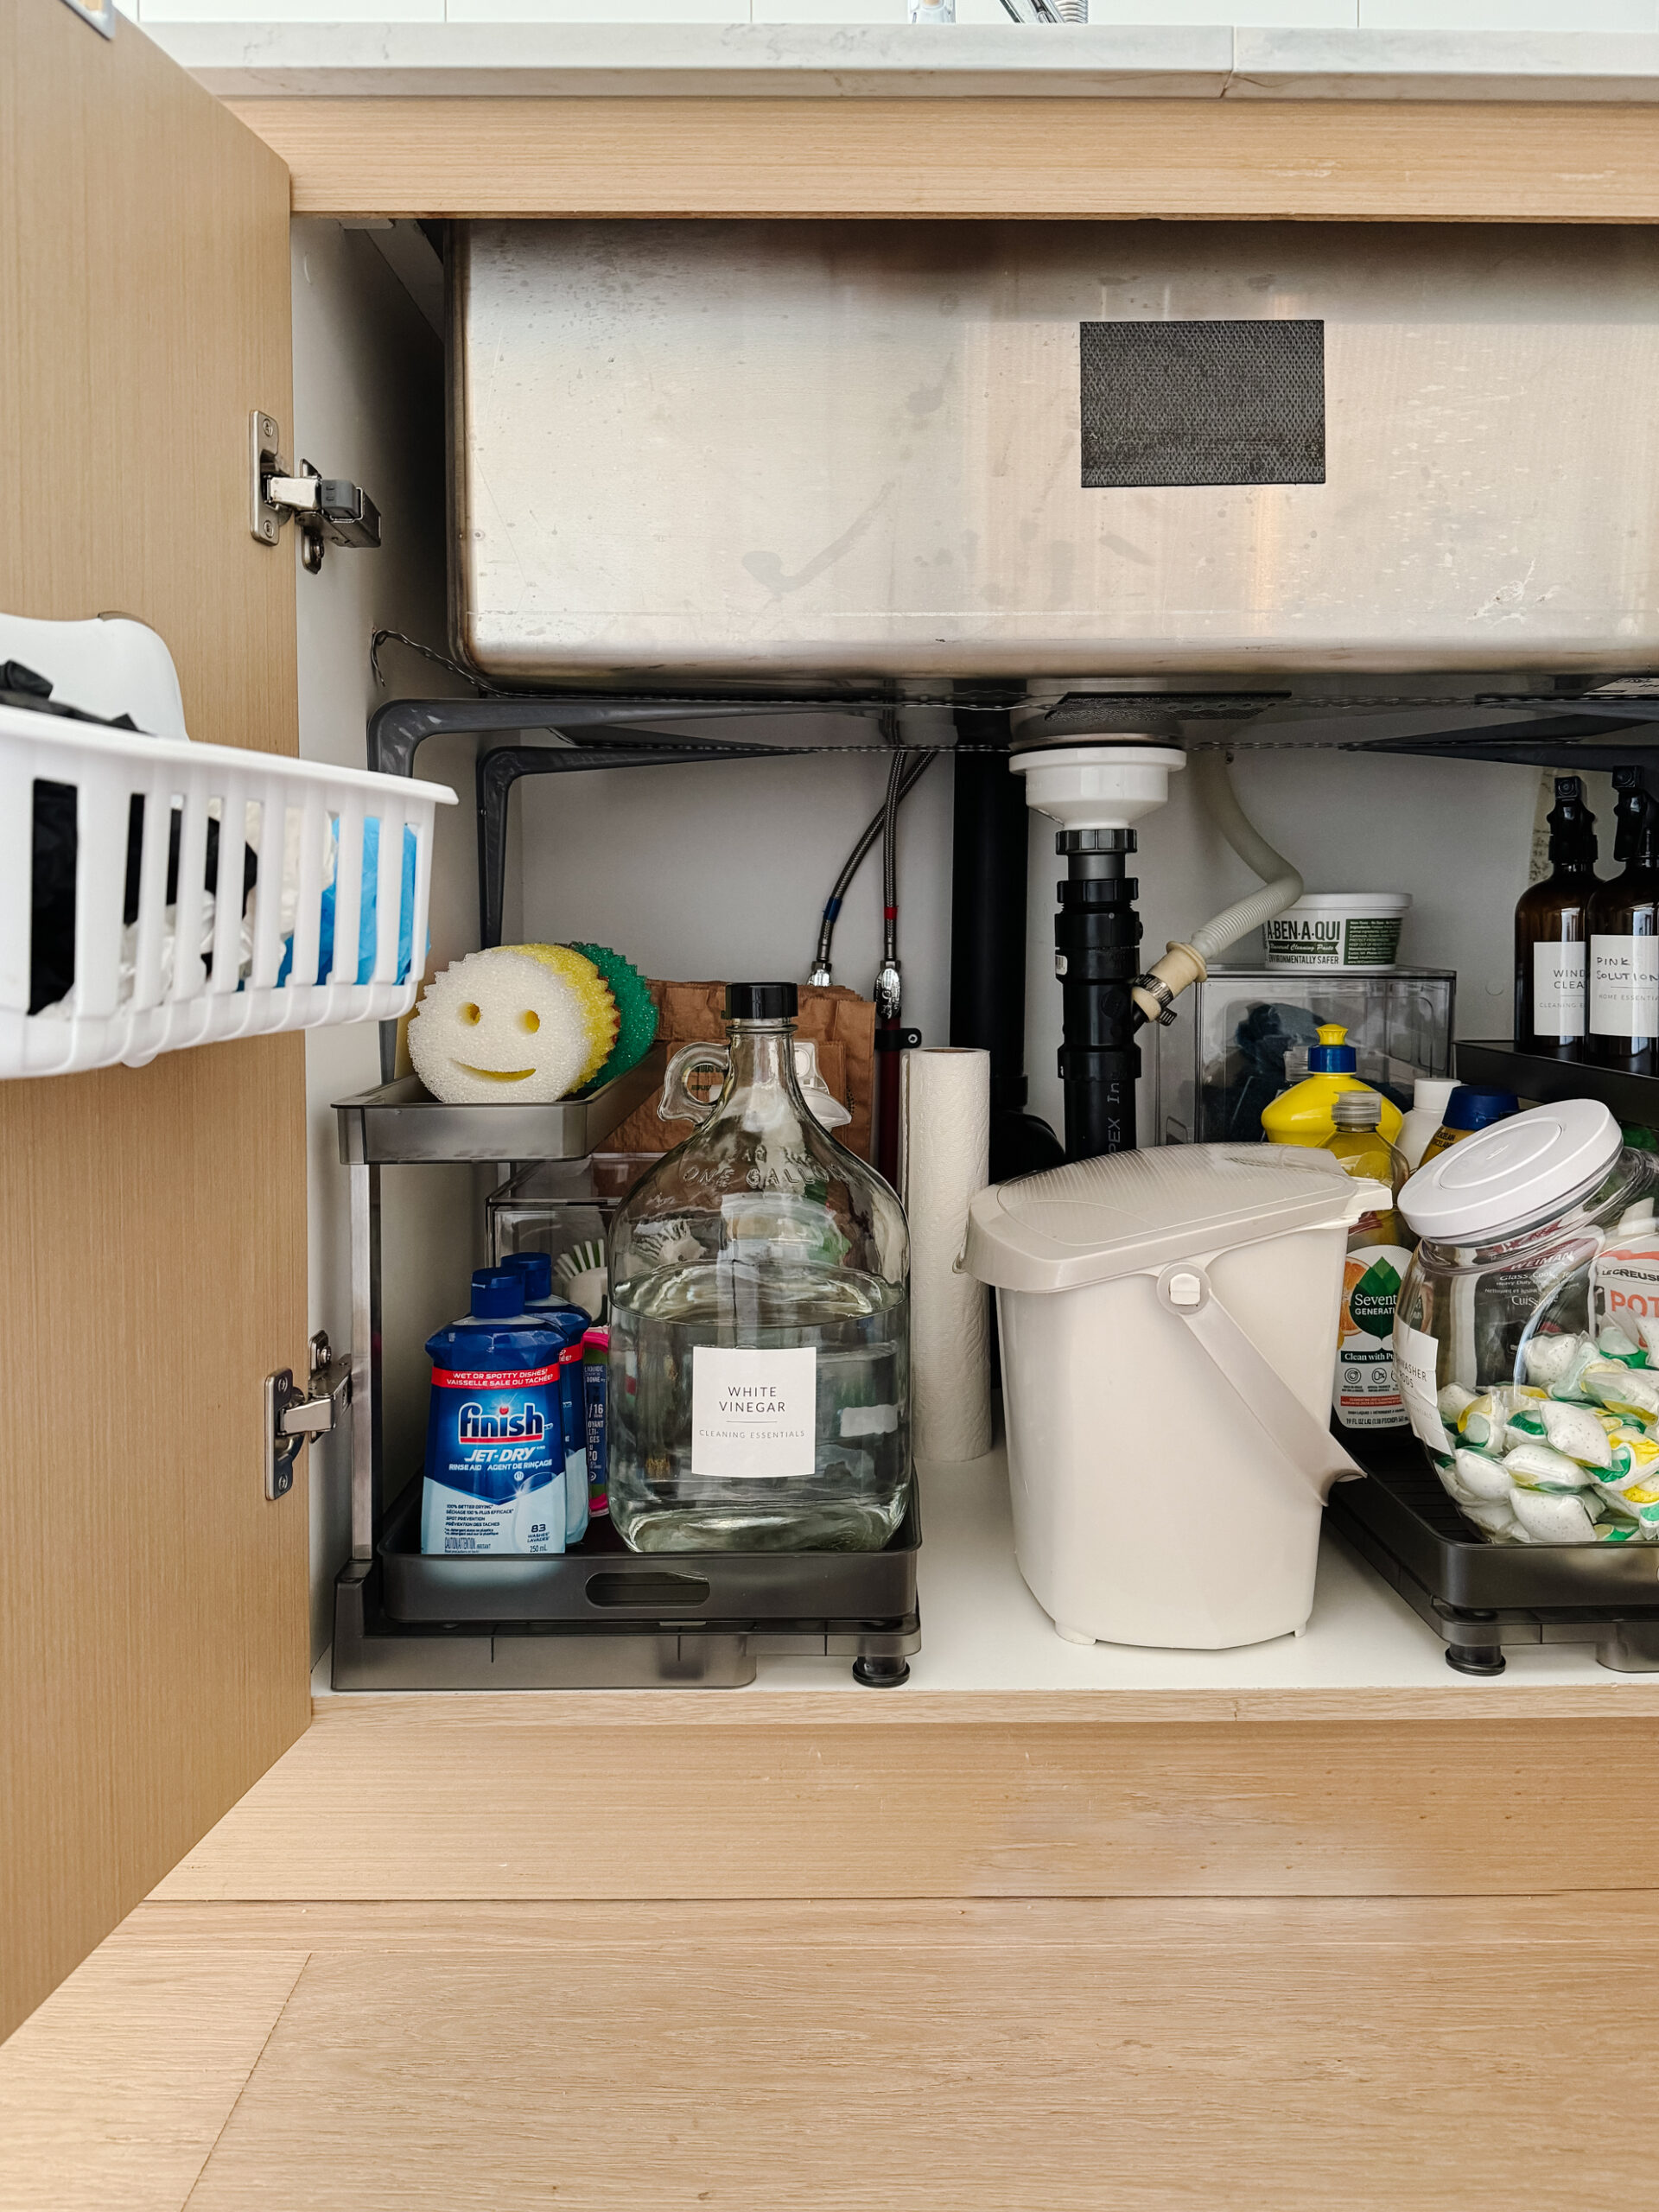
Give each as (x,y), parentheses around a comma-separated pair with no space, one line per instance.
(1134,1211)
(1514,1172)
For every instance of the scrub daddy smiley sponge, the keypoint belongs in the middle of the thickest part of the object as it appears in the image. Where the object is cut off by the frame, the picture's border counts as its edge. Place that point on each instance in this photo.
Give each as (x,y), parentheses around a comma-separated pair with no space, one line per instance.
(518,1022)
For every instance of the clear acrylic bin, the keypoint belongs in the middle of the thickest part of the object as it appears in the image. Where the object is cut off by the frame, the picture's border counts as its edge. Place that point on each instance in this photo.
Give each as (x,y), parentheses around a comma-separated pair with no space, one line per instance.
(1241,1035)
(559,1206)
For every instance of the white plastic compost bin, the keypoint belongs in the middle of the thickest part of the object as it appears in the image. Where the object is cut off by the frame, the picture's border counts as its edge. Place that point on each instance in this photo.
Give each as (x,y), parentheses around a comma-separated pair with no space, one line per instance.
(1168,1324)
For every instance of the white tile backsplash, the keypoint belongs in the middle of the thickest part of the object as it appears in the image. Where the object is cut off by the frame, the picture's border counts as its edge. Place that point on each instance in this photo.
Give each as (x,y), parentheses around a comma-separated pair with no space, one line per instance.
(289,11)
(831,11)
(1258,14)
(598,11)
(1596,19)
(1505,15)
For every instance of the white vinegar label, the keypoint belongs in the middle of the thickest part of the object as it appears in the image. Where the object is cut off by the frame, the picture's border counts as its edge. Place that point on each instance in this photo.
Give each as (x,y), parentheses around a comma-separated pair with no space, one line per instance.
(753,1413)
(1558,989)
(1623,986)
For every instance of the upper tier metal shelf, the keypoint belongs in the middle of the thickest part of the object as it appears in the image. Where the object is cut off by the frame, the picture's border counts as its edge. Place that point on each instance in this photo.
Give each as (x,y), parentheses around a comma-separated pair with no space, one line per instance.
(401,1123)
(1495,1063)
(1579,722)
(1587,722)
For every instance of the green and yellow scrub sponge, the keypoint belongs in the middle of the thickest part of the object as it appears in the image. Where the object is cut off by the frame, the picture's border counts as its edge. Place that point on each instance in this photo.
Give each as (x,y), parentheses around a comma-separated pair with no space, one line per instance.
(592,993)
(532,1022)
(636,1010)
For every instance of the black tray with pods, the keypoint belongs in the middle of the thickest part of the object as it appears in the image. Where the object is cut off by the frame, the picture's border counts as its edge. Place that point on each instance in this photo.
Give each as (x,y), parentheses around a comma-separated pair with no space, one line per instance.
(600,1616)
(1479,1597)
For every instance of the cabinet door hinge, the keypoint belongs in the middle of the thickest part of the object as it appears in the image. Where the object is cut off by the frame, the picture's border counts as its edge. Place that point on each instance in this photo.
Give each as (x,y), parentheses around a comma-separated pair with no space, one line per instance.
(100,14)
(294,1416)
(330,510)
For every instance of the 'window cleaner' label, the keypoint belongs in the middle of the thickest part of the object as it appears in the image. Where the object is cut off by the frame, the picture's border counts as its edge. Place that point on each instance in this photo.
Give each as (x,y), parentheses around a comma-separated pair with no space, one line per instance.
(753,1413)
(1560,990)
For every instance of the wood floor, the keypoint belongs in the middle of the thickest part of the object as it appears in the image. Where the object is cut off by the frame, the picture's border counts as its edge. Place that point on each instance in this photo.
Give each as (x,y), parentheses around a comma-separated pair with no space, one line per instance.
(1060,2055)
(597,1956)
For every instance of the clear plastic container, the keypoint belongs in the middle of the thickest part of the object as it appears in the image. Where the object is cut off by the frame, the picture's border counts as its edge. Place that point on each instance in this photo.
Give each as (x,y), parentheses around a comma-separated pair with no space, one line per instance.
(563,1208)
(1525,1326)
(759,1355)
(1242,1036)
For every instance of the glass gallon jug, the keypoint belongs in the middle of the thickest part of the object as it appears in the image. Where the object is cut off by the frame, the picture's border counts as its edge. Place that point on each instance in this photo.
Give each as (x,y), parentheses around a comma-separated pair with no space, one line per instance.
(759,1355)
(1526,1341)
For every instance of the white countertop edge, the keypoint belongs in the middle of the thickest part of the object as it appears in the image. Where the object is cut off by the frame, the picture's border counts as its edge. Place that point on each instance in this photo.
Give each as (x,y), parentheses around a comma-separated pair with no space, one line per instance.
(252,61)
(1454,65)
(710,60)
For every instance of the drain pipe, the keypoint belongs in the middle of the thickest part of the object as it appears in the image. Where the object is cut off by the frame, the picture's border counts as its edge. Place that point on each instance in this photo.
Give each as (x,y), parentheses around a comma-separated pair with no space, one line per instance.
(1097,767)
(990,839)
(1097,791)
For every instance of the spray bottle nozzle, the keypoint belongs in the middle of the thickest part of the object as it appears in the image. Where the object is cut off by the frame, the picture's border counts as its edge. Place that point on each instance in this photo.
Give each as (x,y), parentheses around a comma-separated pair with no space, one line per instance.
(1572,825)
(1631,810)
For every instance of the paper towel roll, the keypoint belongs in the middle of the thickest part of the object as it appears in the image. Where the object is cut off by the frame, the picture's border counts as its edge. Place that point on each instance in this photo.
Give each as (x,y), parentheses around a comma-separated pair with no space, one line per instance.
(943,1160)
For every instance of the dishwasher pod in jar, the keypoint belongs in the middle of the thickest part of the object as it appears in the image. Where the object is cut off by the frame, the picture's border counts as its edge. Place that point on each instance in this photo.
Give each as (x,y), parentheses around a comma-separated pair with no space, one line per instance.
(1527,1335)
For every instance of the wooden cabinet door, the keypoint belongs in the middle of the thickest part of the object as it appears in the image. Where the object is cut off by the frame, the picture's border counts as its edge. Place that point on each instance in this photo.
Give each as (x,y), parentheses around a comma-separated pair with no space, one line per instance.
(152,1625)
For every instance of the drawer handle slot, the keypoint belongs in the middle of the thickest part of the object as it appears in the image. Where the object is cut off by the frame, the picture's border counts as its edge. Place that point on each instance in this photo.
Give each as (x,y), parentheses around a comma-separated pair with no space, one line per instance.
(656,1590)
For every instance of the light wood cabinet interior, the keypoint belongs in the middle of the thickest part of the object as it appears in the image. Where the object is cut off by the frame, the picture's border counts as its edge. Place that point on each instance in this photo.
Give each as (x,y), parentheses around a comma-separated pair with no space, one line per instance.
(1382,161)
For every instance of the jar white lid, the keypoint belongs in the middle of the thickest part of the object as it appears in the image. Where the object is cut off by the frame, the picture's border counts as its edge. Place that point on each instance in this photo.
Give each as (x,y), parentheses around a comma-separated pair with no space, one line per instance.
(1512,1173)
(1358,902)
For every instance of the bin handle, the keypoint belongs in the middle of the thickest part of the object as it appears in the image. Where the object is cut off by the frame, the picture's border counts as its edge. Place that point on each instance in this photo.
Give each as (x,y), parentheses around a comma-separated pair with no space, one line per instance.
(1183,1287)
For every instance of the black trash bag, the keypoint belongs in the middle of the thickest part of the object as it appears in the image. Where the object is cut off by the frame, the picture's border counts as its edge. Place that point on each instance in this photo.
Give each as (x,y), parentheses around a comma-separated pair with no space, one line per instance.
(1263,1041)
(52,896)
(55,851)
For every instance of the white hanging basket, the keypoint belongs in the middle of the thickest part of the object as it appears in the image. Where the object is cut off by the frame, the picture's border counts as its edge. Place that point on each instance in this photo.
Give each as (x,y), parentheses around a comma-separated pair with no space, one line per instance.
(112,922)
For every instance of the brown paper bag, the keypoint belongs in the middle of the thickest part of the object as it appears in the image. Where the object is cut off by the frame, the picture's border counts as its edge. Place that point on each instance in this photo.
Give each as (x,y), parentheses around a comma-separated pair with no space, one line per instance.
(840,1023)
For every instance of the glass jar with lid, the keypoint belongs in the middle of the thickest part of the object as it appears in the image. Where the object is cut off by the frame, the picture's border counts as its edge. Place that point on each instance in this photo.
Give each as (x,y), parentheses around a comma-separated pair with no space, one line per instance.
(759,1356)
(1526,1324)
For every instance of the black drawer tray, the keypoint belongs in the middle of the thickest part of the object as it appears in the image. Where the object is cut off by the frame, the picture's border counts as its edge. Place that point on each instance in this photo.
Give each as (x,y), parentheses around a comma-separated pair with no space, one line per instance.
(1400,1502)
(601,1584)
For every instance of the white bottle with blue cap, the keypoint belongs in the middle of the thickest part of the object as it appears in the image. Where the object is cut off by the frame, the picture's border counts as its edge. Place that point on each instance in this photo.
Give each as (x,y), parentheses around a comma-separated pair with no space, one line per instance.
(495,1433)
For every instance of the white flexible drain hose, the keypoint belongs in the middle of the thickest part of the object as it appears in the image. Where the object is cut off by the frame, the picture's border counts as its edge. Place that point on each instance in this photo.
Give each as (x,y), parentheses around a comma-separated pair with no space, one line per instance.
(1281,887)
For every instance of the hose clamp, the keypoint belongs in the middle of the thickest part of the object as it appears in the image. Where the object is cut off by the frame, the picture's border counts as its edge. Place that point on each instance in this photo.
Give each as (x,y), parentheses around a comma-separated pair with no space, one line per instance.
(1155,988)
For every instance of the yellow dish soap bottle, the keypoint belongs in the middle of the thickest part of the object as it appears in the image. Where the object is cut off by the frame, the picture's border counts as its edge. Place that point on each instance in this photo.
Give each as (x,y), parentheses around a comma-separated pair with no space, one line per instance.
(1364,1393)
(1302,1114)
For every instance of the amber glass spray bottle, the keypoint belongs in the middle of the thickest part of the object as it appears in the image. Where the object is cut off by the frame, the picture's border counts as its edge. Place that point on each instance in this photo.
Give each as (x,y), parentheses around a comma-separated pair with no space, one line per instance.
(1625,957)
(1552,934)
